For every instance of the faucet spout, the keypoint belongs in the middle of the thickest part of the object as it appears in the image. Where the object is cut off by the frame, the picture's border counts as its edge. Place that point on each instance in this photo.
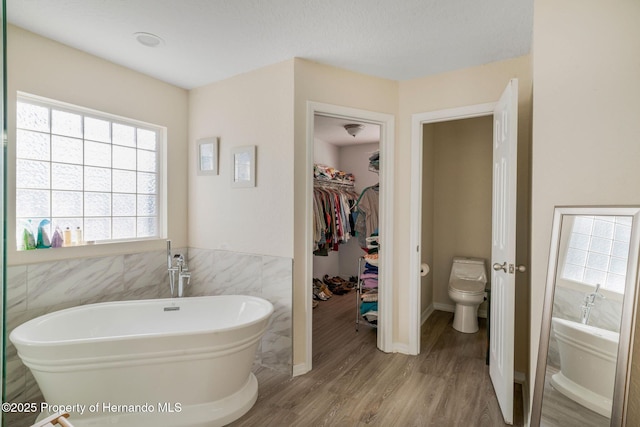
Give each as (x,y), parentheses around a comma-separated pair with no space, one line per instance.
(589,303)
(177,268)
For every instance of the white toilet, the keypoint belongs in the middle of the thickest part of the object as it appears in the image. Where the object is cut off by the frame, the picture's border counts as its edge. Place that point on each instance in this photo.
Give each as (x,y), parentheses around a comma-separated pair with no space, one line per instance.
(467,284)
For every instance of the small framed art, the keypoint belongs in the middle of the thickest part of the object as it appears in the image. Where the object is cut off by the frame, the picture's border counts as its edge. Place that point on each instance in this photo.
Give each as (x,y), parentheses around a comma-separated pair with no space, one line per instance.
(207,156)
(243,165)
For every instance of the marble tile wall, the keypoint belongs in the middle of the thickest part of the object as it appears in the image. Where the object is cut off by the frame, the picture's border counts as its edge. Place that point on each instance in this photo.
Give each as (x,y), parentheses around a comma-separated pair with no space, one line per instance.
(37,289)
(219,272)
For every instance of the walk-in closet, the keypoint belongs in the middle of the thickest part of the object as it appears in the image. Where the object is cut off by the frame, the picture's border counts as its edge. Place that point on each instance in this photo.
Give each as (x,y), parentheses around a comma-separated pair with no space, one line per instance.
(345,225)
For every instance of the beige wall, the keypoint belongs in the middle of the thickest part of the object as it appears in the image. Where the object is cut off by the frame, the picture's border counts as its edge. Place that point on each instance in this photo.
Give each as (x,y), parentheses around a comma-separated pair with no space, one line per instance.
(321,83)
(586,130)
(255,108)
(460,88)
(69,75)
(463,158)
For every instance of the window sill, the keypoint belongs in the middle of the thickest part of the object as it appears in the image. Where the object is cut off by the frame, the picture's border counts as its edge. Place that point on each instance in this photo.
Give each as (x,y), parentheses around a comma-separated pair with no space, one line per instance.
(98,249)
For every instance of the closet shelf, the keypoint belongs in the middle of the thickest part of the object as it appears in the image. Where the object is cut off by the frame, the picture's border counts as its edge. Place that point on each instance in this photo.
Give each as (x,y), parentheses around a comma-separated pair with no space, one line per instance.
(365,294)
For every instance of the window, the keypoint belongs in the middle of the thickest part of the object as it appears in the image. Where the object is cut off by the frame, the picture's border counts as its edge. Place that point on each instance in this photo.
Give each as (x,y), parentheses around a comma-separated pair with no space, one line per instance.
(597,251)
(86,171)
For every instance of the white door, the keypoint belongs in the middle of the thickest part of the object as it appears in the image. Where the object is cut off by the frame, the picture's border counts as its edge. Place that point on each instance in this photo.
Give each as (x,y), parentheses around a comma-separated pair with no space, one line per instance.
(503,247)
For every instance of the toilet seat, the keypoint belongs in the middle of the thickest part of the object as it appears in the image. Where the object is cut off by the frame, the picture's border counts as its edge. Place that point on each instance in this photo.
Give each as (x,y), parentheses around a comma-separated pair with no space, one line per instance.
(467,287)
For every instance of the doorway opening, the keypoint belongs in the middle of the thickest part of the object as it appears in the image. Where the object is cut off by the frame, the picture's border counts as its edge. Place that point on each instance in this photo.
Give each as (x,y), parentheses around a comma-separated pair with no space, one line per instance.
(346,230)
(422,305)
(385,123)
(456,207)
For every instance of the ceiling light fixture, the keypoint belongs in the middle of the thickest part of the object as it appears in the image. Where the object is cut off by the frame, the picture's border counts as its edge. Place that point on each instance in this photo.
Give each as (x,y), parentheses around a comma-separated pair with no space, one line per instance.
(353,129)
(148,39)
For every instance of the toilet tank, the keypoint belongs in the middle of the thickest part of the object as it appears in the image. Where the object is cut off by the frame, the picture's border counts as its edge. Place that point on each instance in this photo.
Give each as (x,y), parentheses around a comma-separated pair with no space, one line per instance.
(468,269)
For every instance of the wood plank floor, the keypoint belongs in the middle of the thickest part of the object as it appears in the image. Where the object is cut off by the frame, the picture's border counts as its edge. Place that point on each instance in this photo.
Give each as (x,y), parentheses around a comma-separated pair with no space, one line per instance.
(354,384)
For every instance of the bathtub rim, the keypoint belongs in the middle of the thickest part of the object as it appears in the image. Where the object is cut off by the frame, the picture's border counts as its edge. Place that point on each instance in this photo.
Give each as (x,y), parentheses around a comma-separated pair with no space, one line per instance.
(612,338)
(18,334)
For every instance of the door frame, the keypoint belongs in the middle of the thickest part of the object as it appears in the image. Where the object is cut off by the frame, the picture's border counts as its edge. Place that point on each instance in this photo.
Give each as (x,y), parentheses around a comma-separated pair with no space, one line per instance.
(418,120)
(387,139)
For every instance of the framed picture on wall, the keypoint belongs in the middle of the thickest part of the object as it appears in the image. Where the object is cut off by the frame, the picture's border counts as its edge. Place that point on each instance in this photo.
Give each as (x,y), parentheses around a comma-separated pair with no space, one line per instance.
(207,149)
(243,165)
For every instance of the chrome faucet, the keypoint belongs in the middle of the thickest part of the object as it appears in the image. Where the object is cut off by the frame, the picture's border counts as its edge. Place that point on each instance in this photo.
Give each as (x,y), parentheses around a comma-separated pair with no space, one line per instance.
(177,264)
(589,302)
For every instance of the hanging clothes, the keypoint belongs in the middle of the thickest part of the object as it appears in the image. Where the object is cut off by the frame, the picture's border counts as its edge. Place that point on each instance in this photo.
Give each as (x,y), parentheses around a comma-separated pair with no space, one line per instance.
(332,205)
(367,207)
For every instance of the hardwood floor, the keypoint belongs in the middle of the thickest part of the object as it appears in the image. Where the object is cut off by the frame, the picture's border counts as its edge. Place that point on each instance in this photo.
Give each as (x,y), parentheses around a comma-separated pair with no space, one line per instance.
(354,384)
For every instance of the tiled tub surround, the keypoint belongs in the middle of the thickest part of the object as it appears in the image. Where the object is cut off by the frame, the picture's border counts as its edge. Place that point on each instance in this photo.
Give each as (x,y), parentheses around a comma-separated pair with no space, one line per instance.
(220,272)
(36,289)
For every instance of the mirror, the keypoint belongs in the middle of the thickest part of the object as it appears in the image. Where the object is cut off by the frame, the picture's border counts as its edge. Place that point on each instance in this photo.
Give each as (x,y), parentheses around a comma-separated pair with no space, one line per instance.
(586,328)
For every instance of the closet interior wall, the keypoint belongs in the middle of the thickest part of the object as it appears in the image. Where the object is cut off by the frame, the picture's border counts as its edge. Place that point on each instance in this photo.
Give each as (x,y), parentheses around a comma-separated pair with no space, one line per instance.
(352,159)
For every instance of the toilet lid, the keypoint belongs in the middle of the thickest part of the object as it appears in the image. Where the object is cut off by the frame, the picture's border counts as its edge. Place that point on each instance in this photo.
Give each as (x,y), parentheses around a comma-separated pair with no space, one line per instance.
(468,286)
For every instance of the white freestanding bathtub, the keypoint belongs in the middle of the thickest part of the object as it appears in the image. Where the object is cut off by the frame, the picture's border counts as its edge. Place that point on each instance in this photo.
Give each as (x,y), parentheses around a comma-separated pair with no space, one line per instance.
(163,362)
(587,364)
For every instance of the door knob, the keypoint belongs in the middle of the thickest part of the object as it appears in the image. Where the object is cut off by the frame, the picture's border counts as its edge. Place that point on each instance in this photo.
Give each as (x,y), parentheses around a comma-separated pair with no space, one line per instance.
(521,268)
(497,266)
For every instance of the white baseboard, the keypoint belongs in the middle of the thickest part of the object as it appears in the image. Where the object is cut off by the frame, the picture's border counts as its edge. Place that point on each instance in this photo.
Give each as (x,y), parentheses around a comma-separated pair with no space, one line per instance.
(426,313)
(444,307)
(300,369)
(401,348)
(452,308)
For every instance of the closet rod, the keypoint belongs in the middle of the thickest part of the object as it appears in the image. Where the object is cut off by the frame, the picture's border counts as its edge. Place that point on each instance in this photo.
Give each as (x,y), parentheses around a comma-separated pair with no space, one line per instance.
(332,184)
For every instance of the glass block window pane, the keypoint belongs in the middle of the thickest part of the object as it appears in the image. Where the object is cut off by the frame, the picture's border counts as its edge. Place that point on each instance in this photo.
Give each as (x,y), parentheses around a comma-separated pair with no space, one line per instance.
(33,203)
(97,228)
(124,158)
(32,174)
(147,161)
(32,117)
(33,145)
(124,181)
(97,130)
(147,205)
(147,227)
(147,183)
(598,251)
(97,204)
(66,203)
(97,179)
(66,177)
(67,124)
(97,154)
(124,205)
(77,168)
(124,228)
(124,135)
(66,150)
(147,139)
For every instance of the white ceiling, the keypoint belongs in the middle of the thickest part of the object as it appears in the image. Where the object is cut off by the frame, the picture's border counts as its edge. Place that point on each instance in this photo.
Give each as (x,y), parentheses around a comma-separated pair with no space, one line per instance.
(331,130)
(210,40)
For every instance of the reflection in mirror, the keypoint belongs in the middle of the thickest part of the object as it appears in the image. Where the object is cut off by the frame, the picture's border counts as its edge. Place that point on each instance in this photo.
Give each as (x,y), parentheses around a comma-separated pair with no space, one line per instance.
(585,336)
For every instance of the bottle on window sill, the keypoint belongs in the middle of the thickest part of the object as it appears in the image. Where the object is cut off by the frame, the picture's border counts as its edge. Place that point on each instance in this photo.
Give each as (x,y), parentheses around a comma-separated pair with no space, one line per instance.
(79,240)
(67,236)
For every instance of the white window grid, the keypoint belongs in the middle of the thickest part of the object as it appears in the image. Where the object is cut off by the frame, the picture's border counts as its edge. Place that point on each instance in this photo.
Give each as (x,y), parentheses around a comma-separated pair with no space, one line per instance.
(134,171)
(597,252)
